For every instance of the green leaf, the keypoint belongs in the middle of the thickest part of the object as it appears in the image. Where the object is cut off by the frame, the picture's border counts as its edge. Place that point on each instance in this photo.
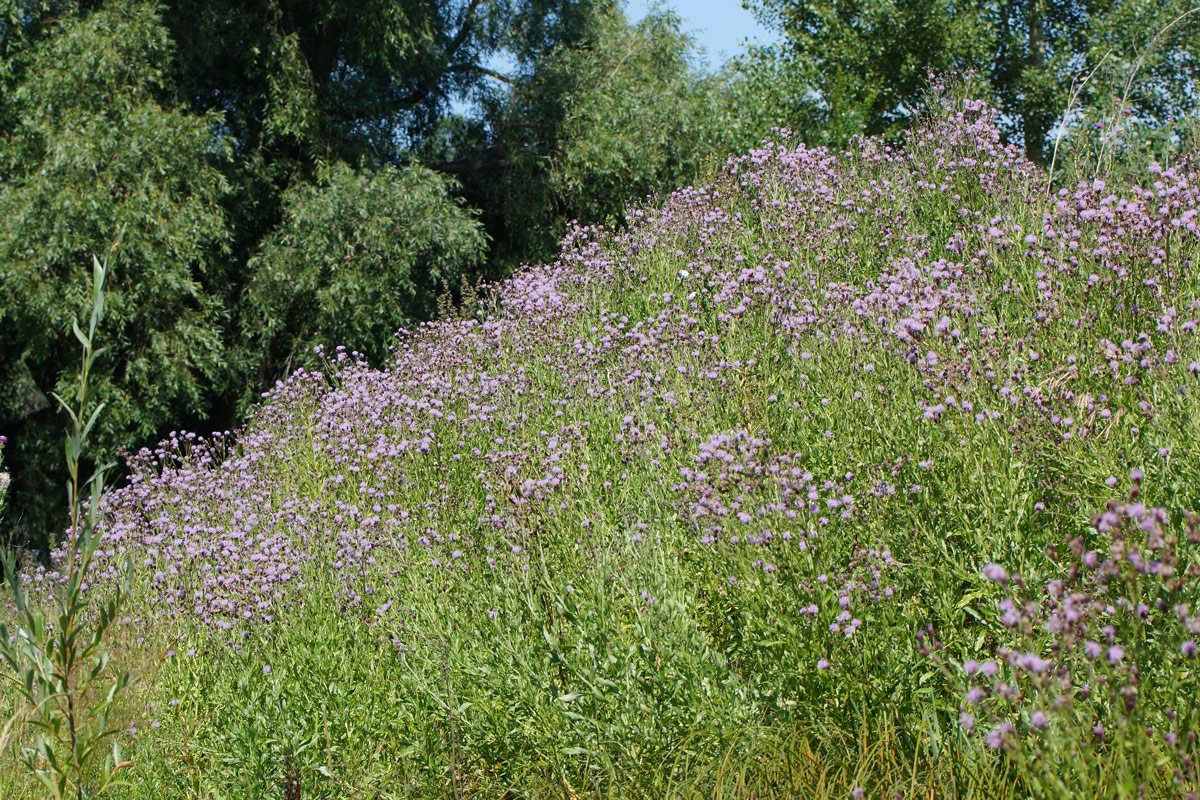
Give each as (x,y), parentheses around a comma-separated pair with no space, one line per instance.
(83,339)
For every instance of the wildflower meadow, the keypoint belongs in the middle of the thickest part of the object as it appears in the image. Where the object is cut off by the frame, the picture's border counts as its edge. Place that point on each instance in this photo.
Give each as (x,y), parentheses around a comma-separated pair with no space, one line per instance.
(862,473)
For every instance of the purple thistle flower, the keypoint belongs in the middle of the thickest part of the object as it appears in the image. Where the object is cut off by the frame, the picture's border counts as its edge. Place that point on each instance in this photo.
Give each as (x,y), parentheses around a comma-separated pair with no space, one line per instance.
(1033,663)
(995,572)
(999,736)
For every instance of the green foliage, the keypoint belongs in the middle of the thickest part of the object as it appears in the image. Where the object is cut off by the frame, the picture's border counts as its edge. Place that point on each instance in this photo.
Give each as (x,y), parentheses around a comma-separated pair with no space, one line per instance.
(758,90)
(225,145)
(329,79)
(620,117)
(600,662)
(633,120)
(862,66)
(357,256)
(610,113)
(94,158)
(58,666)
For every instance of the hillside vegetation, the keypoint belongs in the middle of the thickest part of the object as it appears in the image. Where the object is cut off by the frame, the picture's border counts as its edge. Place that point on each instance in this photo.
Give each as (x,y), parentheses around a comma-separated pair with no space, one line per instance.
(854,472)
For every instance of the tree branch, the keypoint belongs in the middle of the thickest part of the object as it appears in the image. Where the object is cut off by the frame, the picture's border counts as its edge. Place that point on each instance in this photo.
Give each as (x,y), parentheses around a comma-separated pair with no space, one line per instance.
(461,36)
(491,73)
(422,92)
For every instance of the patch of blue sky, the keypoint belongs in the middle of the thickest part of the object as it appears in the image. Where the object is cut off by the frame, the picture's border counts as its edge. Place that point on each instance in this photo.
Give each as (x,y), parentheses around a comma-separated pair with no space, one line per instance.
(721,28)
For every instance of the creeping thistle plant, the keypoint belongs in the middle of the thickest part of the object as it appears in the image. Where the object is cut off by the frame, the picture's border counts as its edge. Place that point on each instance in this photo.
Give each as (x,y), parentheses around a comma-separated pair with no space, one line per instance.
(1097,692)
(57,661)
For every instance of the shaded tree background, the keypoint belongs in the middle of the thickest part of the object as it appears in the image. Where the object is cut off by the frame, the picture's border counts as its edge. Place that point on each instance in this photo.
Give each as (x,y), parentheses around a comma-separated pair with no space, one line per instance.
(586,129)
(269,175)
(90,158)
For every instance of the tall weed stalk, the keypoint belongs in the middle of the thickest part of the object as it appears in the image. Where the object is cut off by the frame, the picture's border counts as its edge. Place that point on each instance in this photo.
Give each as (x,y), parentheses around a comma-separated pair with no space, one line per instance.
(4,479)
(57,659)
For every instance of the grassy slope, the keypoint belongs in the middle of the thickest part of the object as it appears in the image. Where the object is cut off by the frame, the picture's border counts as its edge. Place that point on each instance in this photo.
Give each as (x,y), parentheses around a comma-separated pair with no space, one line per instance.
(596,544)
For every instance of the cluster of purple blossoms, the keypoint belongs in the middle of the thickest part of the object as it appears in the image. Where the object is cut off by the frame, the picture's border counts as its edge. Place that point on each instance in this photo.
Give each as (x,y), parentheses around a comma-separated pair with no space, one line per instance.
(785,376)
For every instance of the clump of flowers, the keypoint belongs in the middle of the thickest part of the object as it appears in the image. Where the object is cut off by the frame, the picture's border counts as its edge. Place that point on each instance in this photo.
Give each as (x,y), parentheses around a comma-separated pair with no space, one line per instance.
(751,439)
(1099,662)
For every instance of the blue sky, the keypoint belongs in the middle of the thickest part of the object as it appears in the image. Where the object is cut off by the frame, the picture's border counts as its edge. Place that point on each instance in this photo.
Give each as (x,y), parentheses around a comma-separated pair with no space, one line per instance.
(719,26)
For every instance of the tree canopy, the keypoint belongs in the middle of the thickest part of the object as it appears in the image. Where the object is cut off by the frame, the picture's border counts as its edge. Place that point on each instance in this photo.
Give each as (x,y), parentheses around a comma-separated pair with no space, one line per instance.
(860,66)
(272,175)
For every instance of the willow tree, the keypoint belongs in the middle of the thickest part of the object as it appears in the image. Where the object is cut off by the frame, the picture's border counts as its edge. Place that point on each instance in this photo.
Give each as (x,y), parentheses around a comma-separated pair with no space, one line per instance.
(270,175)
(860,66)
